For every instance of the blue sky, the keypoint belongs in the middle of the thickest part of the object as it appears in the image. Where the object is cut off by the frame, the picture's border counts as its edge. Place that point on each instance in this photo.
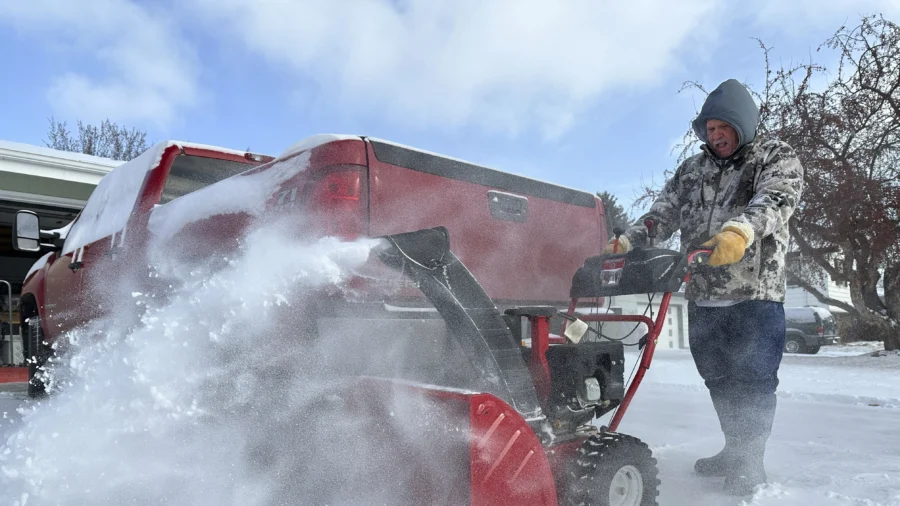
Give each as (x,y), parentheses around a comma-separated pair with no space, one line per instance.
(577,92)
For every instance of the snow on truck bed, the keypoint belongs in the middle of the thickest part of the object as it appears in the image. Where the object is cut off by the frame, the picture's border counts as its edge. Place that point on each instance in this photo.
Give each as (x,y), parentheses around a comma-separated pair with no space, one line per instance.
(247,193)
(107,212)
(112,201)
(118,190)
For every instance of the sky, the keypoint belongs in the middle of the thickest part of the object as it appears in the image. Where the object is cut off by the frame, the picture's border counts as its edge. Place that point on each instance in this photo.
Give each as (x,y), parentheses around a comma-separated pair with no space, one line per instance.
(576,92)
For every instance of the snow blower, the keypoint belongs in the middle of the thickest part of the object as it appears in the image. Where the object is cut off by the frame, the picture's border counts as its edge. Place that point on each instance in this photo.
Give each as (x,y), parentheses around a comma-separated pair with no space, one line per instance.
(513,424)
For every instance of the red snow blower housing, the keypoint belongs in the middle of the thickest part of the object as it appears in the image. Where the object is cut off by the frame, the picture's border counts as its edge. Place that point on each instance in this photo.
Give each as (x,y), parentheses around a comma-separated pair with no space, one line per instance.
(529,412)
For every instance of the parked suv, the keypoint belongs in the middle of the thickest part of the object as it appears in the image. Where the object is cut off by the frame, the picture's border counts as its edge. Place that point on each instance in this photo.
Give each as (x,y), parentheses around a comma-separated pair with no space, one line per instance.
(808,329)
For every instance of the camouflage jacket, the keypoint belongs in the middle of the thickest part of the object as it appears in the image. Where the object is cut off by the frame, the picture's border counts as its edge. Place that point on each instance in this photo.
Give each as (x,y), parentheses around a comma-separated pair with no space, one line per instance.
(758,188)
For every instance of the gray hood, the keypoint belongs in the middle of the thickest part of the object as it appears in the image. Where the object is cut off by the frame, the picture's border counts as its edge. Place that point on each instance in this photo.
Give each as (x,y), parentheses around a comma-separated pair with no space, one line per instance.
(733,104)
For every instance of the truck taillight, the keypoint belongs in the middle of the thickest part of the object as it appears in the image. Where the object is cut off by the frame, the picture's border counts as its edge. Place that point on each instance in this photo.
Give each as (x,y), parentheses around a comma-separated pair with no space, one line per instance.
(821,330)
(338,202)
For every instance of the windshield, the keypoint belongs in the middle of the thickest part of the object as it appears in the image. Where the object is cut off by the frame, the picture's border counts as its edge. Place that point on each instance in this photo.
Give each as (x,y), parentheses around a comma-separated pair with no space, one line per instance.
(191,173)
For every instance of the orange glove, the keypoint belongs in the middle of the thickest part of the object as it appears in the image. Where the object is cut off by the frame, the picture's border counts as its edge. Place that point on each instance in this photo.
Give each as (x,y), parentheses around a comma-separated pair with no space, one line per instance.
(730,244)
(623,246)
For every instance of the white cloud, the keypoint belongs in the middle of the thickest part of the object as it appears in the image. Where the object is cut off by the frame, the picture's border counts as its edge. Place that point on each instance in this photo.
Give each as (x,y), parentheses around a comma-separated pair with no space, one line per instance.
(149,73)
(503,65)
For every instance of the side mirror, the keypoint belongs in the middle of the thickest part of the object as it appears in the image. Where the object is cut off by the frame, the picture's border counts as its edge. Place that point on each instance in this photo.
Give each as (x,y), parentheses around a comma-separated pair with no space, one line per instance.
(26,231)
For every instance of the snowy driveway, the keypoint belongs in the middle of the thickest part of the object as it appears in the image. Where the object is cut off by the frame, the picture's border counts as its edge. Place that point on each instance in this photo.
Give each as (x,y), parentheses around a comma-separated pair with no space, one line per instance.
(836,439)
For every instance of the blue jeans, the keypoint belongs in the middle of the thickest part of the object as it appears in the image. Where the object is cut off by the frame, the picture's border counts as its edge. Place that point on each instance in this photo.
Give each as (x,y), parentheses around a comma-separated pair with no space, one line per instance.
(737,350)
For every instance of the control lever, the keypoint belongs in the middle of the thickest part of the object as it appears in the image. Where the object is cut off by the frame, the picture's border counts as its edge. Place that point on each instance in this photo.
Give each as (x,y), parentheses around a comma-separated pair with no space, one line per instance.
(617,231)
(651,230)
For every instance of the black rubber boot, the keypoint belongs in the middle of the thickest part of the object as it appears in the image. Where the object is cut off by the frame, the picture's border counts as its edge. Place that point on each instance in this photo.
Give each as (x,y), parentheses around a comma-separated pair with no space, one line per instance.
(755,417)
(719,464)
(749,470)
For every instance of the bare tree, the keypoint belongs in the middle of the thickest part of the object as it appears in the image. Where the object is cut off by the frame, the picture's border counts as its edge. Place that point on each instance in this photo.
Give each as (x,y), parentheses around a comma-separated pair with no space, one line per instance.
(849,138)
(109,140)
(847,135)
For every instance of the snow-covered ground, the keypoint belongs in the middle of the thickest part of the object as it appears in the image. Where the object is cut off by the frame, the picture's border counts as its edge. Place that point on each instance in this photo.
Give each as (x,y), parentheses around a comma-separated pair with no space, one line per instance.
(835,440)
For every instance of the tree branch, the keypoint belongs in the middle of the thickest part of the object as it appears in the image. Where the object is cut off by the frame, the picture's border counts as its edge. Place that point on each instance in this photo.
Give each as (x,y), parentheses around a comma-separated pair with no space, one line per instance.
(806,248)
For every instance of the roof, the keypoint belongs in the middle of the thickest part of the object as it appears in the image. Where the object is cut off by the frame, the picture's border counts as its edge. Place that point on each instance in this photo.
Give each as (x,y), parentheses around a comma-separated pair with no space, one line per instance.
(40,161)
(36,152)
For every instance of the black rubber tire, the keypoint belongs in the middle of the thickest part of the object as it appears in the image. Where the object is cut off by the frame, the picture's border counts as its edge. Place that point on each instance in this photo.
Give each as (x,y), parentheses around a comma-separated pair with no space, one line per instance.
(600,458)
(37,354)
(795,338)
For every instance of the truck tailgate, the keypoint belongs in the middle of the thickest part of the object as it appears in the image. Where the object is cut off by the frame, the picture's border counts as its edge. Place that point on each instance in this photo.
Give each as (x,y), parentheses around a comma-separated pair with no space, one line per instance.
(522,239)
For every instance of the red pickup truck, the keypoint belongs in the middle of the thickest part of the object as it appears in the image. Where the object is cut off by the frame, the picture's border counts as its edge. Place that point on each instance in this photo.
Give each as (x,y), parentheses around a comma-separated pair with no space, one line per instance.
(511,231)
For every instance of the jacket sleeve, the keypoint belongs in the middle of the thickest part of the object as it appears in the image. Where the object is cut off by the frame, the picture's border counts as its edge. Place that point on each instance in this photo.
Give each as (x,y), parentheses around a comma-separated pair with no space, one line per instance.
(665,213)
(778,188)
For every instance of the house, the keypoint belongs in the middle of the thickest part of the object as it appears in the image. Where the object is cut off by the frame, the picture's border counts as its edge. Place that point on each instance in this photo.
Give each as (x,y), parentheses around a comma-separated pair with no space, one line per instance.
(797,296)
(55,185)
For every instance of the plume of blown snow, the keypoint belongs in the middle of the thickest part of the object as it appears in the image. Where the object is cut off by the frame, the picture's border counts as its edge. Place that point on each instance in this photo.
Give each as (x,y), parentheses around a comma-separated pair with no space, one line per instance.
(207,393)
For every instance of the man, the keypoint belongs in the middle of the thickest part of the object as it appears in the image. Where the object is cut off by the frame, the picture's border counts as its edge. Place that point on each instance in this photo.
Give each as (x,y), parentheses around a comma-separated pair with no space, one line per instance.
(735,197)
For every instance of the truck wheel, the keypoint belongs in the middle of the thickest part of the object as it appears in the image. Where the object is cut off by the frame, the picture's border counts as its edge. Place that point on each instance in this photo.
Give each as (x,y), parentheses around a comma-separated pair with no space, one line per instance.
(613,470)
(812,350)
(794,344)
(38,353)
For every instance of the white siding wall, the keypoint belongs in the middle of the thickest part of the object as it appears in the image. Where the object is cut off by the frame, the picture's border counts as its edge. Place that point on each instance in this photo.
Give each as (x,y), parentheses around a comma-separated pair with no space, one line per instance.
(797,296)
(841,293)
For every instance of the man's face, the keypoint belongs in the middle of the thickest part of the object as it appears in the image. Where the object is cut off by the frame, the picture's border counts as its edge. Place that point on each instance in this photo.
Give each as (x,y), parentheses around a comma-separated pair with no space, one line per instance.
(722,137)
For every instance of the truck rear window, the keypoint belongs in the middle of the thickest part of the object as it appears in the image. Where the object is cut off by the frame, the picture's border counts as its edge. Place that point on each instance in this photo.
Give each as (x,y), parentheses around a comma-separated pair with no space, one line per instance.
(191,173)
